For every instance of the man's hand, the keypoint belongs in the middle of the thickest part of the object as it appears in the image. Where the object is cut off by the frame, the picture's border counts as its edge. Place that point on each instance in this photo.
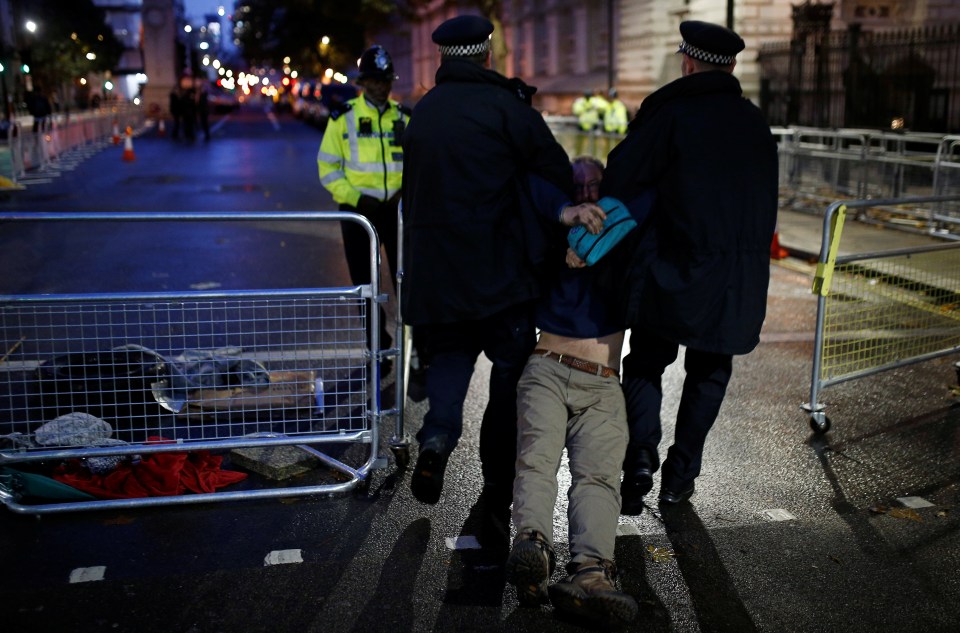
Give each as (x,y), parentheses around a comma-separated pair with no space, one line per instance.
(588,214)
(573,260)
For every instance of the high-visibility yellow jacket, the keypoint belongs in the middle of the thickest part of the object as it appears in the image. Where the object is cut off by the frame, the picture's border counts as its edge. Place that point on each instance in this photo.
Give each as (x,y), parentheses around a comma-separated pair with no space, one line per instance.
(600,104)
(615,120)
(587,114)
(361,151)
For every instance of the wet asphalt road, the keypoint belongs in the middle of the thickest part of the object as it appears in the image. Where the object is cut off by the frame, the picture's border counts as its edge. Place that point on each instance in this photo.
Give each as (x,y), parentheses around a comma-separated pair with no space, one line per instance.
(780,535)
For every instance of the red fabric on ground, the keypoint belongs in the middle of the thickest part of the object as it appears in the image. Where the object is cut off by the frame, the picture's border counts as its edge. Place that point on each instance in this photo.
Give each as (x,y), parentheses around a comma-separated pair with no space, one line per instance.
(155,475)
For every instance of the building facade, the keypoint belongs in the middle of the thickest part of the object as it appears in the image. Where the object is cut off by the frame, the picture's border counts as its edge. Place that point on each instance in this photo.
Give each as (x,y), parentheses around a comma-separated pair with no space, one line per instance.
(565,47)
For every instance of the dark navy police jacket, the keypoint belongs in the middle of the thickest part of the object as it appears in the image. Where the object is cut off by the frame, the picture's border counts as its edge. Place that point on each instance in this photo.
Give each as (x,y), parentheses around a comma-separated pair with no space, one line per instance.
(699,275)
(472,142)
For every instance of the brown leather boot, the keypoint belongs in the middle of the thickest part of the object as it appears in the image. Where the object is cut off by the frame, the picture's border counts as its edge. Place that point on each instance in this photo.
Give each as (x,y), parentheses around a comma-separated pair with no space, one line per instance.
(590,593)
(529,567)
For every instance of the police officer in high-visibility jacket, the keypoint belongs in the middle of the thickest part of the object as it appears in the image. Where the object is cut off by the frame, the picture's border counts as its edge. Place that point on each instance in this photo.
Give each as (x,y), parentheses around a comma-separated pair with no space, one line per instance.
(361,164)
(586,112)
(616,119)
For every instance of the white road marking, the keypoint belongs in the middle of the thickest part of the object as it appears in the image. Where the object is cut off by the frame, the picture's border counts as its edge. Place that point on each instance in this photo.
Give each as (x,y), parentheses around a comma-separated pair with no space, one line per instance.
(87,574)
(914,502)
(283,557)
(463,542)
(778,514)
(627,529)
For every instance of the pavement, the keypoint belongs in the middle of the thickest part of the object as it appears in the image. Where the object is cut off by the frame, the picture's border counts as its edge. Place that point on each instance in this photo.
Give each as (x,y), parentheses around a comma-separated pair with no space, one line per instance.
(801,233)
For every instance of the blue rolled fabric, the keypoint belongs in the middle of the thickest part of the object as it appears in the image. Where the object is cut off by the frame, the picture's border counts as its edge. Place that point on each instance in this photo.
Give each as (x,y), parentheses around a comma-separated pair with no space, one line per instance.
(589,247)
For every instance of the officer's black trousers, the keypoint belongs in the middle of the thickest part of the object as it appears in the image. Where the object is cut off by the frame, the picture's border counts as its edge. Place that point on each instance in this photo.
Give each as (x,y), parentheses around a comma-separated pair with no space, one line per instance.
(704,387)
(450,351)
(356,243)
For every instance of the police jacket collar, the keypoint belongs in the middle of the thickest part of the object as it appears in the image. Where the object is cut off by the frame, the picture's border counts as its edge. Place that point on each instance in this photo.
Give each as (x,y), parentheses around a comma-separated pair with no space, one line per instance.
(697,84)
(453,70)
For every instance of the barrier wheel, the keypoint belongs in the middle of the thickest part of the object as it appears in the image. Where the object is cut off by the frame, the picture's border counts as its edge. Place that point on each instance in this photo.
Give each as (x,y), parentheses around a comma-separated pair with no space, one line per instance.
(819,424)
(401,455)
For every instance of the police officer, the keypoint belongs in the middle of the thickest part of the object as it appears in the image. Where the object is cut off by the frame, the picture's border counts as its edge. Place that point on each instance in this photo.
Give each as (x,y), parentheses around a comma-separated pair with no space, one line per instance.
(472,150)
(699,277)
(615,120)
(361,165)
(588,117)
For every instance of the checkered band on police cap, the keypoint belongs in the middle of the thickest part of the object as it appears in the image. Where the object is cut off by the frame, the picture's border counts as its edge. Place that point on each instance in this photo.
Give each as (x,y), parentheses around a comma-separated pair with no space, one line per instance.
(709,43)
(465,50)
(463,36)
(705,56)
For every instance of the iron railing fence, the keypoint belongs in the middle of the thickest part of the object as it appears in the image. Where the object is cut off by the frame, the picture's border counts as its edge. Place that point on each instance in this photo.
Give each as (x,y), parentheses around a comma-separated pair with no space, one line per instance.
(904,79)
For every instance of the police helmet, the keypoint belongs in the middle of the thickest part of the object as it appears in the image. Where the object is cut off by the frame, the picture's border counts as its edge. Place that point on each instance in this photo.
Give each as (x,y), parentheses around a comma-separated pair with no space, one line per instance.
(375,63)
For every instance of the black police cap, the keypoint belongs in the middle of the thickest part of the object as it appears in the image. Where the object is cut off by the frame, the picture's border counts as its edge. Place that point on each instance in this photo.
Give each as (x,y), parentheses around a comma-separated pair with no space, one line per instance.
(710,43)
(464,35)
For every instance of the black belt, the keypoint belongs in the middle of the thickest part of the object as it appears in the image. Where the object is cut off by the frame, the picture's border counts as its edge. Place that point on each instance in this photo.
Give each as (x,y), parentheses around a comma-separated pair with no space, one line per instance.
(578,363)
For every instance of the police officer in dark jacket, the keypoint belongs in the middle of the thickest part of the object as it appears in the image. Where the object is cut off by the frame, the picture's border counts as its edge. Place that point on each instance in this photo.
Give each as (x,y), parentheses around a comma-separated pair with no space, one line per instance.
(473,144)
(699,276)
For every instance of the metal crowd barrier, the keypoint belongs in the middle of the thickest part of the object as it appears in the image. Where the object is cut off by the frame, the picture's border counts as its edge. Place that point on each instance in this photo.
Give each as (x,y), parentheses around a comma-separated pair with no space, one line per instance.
(122,379)
(882,310)
(60,141)
(824,164)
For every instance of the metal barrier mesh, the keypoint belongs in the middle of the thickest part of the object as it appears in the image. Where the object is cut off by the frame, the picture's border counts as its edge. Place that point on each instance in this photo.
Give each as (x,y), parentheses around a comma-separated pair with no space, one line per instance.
(182,370)
(882,311)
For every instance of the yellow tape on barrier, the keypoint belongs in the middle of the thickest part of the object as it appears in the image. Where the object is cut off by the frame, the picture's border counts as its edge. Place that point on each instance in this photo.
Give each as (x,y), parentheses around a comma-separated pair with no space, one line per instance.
(824,274)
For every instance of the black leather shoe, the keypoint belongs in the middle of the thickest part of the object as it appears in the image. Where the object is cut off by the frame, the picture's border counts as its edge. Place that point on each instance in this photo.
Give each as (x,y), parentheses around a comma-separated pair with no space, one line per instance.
(673,497)
(426,482)
(632,490)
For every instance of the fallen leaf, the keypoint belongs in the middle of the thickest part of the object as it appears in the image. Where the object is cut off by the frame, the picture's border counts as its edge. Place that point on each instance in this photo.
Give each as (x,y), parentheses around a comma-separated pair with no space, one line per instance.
(879,509)
(835,559)
(905,513)
(660,554)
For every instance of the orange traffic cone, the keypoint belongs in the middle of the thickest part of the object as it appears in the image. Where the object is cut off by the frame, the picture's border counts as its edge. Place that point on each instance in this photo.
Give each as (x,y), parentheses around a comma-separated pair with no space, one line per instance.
(161,128)
(128,154)
(116,132)
(777,251)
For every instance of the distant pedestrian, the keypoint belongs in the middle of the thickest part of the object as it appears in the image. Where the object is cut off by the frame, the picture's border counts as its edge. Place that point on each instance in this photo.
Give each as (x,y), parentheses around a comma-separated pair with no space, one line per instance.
(203,110)
(176,112)
(38,105)
(188,111)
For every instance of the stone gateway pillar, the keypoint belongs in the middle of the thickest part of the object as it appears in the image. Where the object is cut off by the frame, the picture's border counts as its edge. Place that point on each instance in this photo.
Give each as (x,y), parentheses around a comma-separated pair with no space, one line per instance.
(159,56)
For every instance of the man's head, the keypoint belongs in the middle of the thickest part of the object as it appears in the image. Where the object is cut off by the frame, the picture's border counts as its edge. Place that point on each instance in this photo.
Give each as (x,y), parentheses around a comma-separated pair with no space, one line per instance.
(708,46)
(587,174)
(465,37)
(376,75)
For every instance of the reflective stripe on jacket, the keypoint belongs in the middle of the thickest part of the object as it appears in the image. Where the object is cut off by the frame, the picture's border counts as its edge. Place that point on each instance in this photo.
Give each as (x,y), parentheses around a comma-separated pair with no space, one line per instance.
(361,152)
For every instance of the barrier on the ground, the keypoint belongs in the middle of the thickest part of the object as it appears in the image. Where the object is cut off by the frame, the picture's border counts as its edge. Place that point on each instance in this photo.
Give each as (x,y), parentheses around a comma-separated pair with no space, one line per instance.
(881,310)
(133,396)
